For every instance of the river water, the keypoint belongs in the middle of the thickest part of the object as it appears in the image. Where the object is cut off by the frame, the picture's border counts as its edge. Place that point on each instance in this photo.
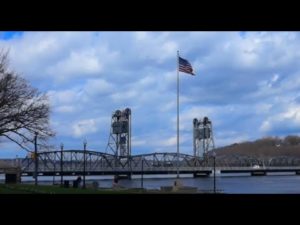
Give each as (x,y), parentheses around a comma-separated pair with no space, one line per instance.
(283,183)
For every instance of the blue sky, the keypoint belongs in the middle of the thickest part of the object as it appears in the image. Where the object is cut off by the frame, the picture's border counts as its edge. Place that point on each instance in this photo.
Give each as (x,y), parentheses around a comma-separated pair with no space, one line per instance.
(247,83)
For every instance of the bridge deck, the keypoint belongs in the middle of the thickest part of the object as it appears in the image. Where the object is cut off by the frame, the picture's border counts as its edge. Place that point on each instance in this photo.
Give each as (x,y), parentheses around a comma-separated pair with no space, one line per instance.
(187,170)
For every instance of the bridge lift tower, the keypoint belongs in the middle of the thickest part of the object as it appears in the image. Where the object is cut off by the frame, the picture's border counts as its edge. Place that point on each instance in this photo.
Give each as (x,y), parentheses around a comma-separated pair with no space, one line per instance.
(119,142)
(203,140)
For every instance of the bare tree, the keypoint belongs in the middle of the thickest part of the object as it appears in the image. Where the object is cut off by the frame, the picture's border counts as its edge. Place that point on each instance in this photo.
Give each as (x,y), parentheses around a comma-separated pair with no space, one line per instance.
(292,140)
(24,111)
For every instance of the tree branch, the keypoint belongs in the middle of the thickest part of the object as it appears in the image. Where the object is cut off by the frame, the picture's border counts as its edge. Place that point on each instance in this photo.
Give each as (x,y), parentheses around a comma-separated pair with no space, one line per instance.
(26,149)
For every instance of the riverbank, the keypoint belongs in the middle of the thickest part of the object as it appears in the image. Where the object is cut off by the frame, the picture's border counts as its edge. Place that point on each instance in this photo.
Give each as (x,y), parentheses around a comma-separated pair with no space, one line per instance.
(56,189)
(47,189)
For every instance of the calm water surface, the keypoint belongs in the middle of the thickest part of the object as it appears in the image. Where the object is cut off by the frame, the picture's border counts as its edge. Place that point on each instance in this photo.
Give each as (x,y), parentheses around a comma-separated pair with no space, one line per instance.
(233,184)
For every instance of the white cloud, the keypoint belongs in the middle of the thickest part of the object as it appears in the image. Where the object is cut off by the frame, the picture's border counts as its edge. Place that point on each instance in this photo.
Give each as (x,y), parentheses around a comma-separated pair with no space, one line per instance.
(65,109)
(137,141)
(119,96)
(172,141)
(275,78)
(288,118)
(155,46)
(84,127)
(78,63)
(146,81)
(168,106)
(60,55)
(98,86)
(263,108)
(62,97)
(266,126)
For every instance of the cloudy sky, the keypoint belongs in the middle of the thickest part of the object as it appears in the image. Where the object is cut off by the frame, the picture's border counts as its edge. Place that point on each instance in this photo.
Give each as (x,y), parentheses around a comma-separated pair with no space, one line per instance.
(247,83)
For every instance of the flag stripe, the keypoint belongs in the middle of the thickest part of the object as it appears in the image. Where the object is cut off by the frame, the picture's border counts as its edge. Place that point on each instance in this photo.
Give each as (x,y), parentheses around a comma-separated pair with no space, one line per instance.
(185,66)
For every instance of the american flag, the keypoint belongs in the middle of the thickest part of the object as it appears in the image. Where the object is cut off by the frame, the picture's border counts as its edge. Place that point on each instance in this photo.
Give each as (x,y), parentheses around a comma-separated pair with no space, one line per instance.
(185,66)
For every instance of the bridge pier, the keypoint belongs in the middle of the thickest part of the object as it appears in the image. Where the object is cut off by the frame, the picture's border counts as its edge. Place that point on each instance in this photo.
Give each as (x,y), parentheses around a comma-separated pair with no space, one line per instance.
(297,172)
(201,174)
(258,173)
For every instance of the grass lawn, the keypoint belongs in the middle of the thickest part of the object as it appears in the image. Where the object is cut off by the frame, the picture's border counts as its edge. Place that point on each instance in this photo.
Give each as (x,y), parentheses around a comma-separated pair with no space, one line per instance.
(45,189)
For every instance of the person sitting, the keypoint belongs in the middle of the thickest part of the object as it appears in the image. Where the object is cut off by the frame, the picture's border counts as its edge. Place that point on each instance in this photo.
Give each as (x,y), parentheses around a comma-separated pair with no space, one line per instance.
(177,185)
(78,180)
(115,182)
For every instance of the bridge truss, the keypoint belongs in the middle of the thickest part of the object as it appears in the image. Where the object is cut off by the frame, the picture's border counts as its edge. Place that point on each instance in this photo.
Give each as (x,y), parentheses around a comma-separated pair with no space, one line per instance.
(72,162)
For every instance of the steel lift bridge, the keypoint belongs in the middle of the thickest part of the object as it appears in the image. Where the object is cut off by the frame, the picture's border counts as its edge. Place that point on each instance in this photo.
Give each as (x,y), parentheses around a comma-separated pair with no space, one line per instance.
(117,159)
(203,140)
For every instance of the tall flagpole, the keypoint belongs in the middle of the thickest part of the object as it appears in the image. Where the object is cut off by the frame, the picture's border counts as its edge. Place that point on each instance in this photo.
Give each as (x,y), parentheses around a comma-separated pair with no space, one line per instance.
(177,114)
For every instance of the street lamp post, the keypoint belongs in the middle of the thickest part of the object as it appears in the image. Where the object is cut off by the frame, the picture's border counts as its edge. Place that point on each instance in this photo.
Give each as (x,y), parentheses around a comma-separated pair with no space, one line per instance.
(17,161)
(142,180)
(214,157)
(35,160)
(84,161)
(54,170)
(61,164)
